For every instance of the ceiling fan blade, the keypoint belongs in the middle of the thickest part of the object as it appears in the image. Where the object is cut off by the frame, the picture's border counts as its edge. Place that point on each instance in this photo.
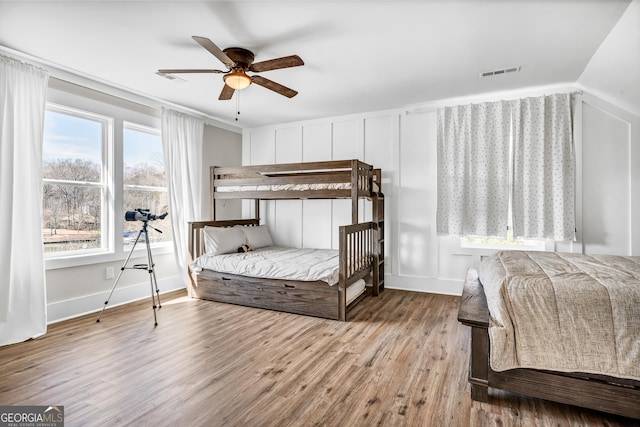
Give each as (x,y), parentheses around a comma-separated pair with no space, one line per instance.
(275,64)
(227,93)
(192,71)
(276,87)
(214,50)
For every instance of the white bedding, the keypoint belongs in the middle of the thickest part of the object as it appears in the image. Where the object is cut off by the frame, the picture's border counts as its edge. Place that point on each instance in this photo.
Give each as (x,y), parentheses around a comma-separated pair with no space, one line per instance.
(564,312)
(286,187)
(275,262)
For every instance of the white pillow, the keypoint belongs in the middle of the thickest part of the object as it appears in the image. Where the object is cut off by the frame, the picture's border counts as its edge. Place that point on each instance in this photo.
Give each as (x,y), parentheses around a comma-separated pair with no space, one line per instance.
(258,237)
(223,240)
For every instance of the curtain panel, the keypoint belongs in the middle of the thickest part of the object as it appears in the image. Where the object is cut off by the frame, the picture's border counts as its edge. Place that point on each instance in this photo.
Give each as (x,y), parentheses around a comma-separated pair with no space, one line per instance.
(473,169)
(182,144)
(543,168)
(23,310)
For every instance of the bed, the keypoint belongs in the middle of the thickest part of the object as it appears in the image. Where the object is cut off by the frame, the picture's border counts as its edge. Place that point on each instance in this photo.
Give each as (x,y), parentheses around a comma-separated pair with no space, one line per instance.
(561,327)
(331,293)
(359,259)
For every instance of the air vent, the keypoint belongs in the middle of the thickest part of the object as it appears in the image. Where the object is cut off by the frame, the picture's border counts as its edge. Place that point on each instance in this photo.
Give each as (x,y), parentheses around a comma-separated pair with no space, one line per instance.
(170,76)
(501,71)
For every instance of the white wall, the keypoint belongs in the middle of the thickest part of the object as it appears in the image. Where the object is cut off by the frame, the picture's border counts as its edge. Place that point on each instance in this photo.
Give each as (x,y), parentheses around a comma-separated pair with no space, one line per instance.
(611,140)
(220,148)
(610,178)
(403,143)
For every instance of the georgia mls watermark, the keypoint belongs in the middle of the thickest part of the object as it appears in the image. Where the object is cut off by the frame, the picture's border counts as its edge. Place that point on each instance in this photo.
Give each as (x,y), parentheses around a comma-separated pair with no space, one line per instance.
(31,416)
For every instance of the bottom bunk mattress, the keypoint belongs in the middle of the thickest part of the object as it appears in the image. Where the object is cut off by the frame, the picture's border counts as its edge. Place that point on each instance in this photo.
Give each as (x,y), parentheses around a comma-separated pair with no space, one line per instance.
(276,262)
(297,280)
(564,312)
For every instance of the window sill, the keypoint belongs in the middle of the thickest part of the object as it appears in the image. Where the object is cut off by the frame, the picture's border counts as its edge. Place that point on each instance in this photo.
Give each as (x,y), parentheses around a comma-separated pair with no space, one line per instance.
(54,263)
(540,245)
(506,247)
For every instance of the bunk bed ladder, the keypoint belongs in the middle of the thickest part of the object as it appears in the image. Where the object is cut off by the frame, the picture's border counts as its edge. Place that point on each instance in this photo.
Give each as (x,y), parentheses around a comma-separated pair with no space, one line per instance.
(378,218)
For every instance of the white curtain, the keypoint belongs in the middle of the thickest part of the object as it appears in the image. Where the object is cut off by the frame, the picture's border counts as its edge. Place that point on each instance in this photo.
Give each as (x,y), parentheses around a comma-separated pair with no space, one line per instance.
(23,310)
(182,144)
(543,168)
(473,169)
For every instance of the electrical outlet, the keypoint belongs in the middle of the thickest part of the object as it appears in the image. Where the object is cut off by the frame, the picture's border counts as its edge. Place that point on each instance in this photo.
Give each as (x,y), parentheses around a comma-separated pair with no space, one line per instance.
(108,273)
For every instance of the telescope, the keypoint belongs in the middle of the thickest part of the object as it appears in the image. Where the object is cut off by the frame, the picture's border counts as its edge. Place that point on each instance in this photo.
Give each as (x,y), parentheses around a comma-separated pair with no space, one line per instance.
(143,215)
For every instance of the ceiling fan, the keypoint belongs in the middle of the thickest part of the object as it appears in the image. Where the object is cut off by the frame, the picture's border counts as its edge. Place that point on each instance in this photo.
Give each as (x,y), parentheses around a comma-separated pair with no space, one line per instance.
(238,61)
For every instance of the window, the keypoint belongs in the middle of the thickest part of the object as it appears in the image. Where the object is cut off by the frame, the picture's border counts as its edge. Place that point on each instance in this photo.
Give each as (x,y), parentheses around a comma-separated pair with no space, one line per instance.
(95,168)
(144,181)
(74,186)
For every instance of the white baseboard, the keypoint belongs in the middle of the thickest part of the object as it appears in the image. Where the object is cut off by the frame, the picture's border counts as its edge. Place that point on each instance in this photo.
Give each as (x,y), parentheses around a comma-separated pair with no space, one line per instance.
(74,307)
(424,284)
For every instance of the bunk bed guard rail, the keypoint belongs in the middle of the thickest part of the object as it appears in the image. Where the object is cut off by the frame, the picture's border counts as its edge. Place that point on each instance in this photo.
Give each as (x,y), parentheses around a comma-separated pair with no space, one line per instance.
(357,251)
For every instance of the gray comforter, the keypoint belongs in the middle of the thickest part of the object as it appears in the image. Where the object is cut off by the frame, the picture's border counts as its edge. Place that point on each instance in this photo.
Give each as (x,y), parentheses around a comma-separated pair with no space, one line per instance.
(564,312)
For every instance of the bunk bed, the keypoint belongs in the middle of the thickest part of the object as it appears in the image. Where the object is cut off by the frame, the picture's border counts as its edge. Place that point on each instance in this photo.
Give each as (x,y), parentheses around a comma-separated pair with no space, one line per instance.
(360,257)
(534,303)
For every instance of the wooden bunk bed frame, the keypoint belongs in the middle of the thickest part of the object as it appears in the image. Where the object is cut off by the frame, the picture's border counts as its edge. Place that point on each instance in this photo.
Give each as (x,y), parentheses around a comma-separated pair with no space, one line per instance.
(356,261)
(361,245)
(603,393)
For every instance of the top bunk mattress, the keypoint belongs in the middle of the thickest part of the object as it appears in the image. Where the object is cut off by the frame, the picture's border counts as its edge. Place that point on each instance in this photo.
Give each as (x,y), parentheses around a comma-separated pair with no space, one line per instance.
(564,312)
(285,187)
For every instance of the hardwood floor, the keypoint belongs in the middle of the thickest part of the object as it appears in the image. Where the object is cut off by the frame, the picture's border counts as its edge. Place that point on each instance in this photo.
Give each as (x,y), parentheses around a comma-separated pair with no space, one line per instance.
(400,361)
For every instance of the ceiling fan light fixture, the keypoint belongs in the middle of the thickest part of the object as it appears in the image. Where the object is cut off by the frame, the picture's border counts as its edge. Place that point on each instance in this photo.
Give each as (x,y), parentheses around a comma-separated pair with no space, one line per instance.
(237,80)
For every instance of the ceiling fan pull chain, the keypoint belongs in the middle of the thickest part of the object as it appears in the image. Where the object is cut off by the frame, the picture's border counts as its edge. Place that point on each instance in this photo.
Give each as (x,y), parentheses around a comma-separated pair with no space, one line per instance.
(237,104)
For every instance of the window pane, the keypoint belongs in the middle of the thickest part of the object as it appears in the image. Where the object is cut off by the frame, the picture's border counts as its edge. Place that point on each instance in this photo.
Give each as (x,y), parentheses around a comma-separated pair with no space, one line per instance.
(72,147)
(72,151)
(71,217)
(156,202)
(143,163)
(143,158)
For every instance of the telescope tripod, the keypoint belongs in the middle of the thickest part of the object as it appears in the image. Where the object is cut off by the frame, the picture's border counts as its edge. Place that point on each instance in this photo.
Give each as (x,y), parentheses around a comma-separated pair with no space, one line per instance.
(149,267)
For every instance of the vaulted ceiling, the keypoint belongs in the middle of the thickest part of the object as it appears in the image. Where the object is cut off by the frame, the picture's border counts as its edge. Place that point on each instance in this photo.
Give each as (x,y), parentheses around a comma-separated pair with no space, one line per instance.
(359,56)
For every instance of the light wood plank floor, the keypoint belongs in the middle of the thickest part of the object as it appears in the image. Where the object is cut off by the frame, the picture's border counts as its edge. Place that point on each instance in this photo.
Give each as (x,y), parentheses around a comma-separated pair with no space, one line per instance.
(400,361)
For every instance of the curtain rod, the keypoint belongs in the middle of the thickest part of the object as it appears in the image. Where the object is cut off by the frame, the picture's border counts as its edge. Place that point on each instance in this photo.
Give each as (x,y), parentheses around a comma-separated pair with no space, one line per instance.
(435,108)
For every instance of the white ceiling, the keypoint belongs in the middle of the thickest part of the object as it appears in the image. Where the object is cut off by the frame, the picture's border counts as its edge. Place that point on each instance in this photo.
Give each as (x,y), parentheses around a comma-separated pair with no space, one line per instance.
(360,56)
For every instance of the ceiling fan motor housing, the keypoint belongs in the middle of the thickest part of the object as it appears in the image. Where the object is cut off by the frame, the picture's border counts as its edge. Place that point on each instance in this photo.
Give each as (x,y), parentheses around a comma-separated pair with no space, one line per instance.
(242,57)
